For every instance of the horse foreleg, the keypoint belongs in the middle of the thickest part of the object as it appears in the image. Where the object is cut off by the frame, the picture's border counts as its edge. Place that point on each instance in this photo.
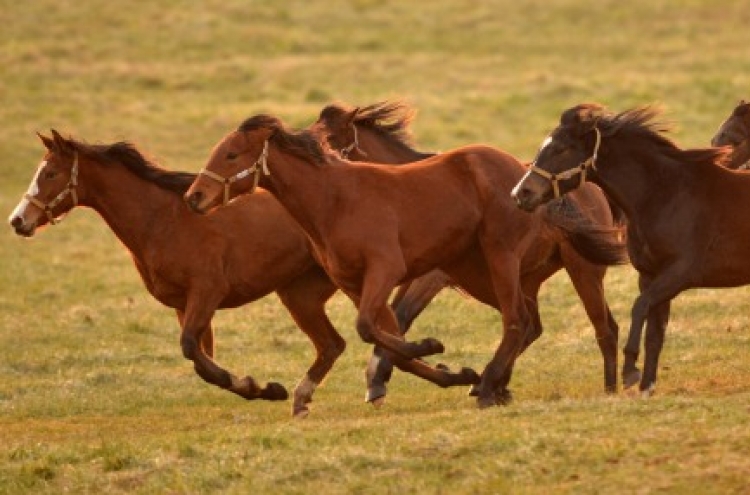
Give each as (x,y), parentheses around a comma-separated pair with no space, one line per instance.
(195,322)
(376,287)
(410,300)
(305,299)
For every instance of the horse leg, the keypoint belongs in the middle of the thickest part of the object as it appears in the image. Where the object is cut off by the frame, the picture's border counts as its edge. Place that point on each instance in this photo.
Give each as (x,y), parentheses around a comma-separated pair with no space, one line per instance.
(377,285)
(305,299)
(504,268)
(410,300)
(588,281)
(659,289)
(656,327)
(196,321)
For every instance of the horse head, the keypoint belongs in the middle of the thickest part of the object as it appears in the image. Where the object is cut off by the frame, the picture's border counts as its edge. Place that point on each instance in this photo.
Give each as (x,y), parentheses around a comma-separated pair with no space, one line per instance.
(565,158)
(735,132)
(52,192)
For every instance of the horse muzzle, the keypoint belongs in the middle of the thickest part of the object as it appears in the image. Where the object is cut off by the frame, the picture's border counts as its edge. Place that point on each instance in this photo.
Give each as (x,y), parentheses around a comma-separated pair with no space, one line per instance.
(22,228)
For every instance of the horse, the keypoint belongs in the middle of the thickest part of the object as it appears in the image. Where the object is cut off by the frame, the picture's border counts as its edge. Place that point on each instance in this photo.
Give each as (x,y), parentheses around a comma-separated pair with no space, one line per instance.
(683,230)
(376,226)
(190,263)
(380,133)
(735,132)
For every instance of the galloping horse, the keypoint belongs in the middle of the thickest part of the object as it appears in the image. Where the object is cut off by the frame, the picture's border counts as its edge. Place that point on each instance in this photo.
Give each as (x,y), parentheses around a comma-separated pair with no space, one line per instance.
(379,133)
(376,226)
(193,264)
(735,132)
(683,227)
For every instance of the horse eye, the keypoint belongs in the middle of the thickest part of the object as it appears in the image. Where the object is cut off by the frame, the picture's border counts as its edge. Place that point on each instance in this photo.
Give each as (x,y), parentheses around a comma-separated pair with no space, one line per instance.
(49,174)
(231,155)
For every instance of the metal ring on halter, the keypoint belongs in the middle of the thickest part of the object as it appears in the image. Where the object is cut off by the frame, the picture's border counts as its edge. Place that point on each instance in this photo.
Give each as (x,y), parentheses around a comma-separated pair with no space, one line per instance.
(260,166)
(569,174)
(70,189)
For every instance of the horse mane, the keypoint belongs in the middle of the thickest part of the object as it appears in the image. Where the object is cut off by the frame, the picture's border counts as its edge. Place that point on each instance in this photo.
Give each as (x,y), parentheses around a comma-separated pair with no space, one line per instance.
(127,155)
(742,109)
(300,143)
(643,123)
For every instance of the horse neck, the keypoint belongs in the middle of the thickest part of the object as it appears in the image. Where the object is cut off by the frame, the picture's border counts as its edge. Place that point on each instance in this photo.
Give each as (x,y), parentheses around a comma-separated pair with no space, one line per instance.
(303,188)
(381,148)
(133,208)
(633,177)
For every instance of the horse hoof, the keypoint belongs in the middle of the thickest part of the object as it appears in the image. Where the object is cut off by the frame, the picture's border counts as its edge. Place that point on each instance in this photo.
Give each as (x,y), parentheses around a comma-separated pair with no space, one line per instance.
(648,391)
(469,377)
(486,402)
(442,367)
(474,391)
(300,412)
(503,397)
(630,378)
(434,345)
(376,393)
(275,391)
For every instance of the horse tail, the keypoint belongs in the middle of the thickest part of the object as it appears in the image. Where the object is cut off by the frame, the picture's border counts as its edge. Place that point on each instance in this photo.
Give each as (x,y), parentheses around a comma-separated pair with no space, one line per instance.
(599,244)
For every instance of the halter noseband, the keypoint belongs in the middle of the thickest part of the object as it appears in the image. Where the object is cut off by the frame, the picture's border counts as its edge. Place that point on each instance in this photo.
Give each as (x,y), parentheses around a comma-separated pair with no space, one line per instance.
(70,189)
(569,174)
(255,169)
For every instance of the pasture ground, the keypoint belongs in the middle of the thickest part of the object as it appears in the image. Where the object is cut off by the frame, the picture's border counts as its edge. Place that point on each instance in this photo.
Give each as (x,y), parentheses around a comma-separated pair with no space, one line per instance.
(94,394)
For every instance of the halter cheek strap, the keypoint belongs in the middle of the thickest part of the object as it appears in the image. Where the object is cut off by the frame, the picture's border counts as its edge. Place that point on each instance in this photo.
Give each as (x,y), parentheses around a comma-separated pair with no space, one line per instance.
(590,162)
(260,166)
(70,189)
(352,147)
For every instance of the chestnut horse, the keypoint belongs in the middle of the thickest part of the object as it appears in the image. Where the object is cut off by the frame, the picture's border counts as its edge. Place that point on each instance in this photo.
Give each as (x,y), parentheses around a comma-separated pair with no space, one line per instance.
(379,133)
(376,226)
(735,132)
(193,264)
(683,227)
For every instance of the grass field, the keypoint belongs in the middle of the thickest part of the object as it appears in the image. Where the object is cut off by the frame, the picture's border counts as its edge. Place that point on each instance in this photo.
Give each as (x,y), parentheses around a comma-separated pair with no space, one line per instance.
(94,394)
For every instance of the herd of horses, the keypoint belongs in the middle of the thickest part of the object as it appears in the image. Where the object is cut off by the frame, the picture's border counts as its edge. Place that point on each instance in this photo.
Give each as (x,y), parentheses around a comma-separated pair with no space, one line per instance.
(347,204)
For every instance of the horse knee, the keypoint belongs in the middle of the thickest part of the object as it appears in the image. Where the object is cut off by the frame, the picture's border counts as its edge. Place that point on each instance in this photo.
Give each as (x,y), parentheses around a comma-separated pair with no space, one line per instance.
(364,329)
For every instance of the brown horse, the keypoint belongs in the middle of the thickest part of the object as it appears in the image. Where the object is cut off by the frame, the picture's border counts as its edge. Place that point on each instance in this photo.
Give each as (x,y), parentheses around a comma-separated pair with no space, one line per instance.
(376,226)
(683,227)
(379,133)
(735,132)
(193,264)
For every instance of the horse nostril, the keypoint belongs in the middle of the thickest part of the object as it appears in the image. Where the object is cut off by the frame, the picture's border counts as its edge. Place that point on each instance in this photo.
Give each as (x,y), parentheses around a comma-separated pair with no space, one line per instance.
(194,200)
(16,222)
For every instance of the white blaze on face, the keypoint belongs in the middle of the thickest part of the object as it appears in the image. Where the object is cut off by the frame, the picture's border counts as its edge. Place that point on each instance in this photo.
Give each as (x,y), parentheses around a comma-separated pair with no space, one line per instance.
(32,191)
(514,192)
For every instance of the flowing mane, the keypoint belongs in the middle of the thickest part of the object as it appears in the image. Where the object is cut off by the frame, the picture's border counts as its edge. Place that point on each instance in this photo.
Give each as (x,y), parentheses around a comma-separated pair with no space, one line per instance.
(300,143)
(127,155)
(643,123)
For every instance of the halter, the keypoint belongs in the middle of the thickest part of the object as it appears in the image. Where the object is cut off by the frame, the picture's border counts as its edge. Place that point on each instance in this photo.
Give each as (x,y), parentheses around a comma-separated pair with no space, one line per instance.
(344,152)
(569,174)
(70,189)
(255,169)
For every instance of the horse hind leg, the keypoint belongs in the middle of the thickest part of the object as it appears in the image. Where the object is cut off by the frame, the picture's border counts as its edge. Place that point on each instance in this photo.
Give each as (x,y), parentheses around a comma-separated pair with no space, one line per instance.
(305,301)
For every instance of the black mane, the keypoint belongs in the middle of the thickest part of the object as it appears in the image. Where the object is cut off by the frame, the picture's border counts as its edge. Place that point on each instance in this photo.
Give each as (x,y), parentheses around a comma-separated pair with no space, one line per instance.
(127,155)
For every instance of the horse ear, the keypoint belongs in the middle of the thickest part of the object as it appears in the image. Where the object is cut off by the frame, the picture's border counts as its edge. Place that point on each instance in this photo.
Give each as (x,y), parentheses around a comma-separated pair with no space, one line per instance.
(352,116)
(47,142)
(60,142)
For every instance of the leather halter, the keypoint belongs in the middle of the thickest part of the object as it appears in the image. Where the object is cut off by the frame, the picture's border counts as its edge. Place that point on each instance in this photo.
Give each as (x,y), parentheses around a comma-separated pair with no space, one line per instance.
(569,174)
(344,152)
(70,189)
(255,170)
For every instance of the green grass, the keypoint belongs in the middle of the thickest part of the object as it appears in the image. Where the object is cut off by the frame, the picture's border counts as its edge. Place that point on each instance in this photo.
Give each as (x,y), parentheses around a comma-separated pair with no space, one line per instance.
(94,394)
